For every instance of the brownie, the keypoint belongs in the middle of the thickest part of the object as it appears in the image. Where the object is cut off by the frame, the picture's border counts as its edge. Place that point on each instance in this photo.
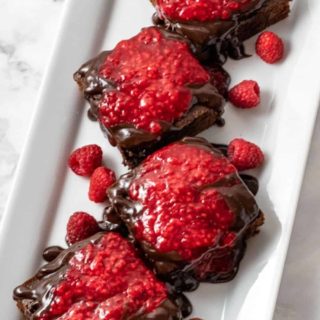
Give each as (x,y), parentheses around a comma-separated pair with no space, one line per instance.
(219,32)
(101,277)
(189,211)
(150,91)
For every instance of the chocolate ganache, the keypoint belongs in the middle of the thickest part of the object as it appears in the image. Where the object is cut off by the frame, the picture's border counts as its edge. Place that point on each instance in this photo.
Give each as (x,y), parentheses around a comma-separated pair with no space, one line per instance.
(64,285)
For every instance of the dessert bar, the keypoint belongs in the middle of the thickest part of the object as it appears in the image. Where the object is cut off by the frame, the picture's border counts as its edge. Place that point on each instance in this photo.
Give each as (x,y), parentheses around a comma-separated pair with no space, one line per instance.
(190,212)
(218,28)
(99,278)
(149,91)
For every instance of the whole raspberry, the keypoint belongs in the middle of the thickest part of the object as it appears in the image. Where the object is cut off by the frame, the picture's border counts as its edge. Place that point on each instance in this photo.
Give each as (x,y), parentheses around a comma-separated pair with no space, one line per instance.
(101,179)
(81,225)
(269,47)
(84,160)
(245,155)
(245,95)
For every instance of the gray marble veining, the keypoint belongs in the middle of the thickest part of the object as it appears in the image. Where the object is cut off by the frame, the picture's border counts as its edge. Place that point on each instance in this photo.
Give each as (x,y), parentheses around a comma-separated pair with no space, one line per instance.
(27,30)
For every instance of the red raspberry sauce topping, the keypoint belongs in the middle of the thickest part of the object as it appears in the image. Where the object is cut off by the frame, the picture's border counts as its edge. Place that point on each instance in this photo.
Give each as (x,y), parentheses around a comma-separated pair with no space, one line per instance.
(202,10)
(151,74)
(182,210)
(105,280)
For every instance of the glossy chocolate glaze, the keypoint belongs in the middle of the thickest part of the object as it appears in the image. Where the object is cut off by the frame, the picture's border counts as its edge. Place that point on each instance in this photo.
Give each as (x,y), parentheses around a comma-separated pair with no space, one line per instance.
(50,253)
(214,40)
(170,266)
(127,136)
(251,182)
(33,297)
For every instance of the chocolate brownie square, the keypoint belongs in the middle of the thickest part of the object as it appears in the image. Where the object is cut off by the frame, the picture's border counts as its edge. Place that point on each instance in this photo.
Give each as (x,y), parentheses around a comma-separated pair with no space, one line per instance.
(149,91)
(99,278)
(189,211)
(217,29)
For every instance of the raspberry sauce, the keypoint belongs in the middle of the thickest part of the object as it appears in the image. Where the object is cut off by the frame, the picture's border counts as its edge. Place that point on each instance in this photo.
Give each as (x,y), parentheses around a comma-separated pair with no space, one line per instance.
(202,10)
(152,76)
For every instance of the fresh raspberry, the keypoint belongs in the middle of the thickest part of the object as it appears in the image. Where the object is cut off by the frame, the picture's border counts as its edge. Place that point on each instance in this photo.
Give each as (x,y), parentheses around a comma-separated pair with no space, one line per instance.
(270,47)
(81,225)
(245,155)
(84,160)
(245,95)
(101,179)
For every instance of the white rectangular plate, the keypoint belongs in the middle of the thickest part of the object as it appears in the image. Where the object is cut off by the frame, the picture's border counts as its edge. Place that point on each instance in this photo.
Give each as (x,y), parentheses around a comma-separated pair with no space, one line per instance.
(46,193)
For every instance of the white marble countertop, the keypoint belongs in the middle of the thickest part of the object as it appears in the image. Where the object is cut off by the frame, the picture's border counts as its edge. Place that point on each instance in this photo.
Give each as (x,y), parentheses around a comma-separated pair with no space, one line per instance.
(27,31)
